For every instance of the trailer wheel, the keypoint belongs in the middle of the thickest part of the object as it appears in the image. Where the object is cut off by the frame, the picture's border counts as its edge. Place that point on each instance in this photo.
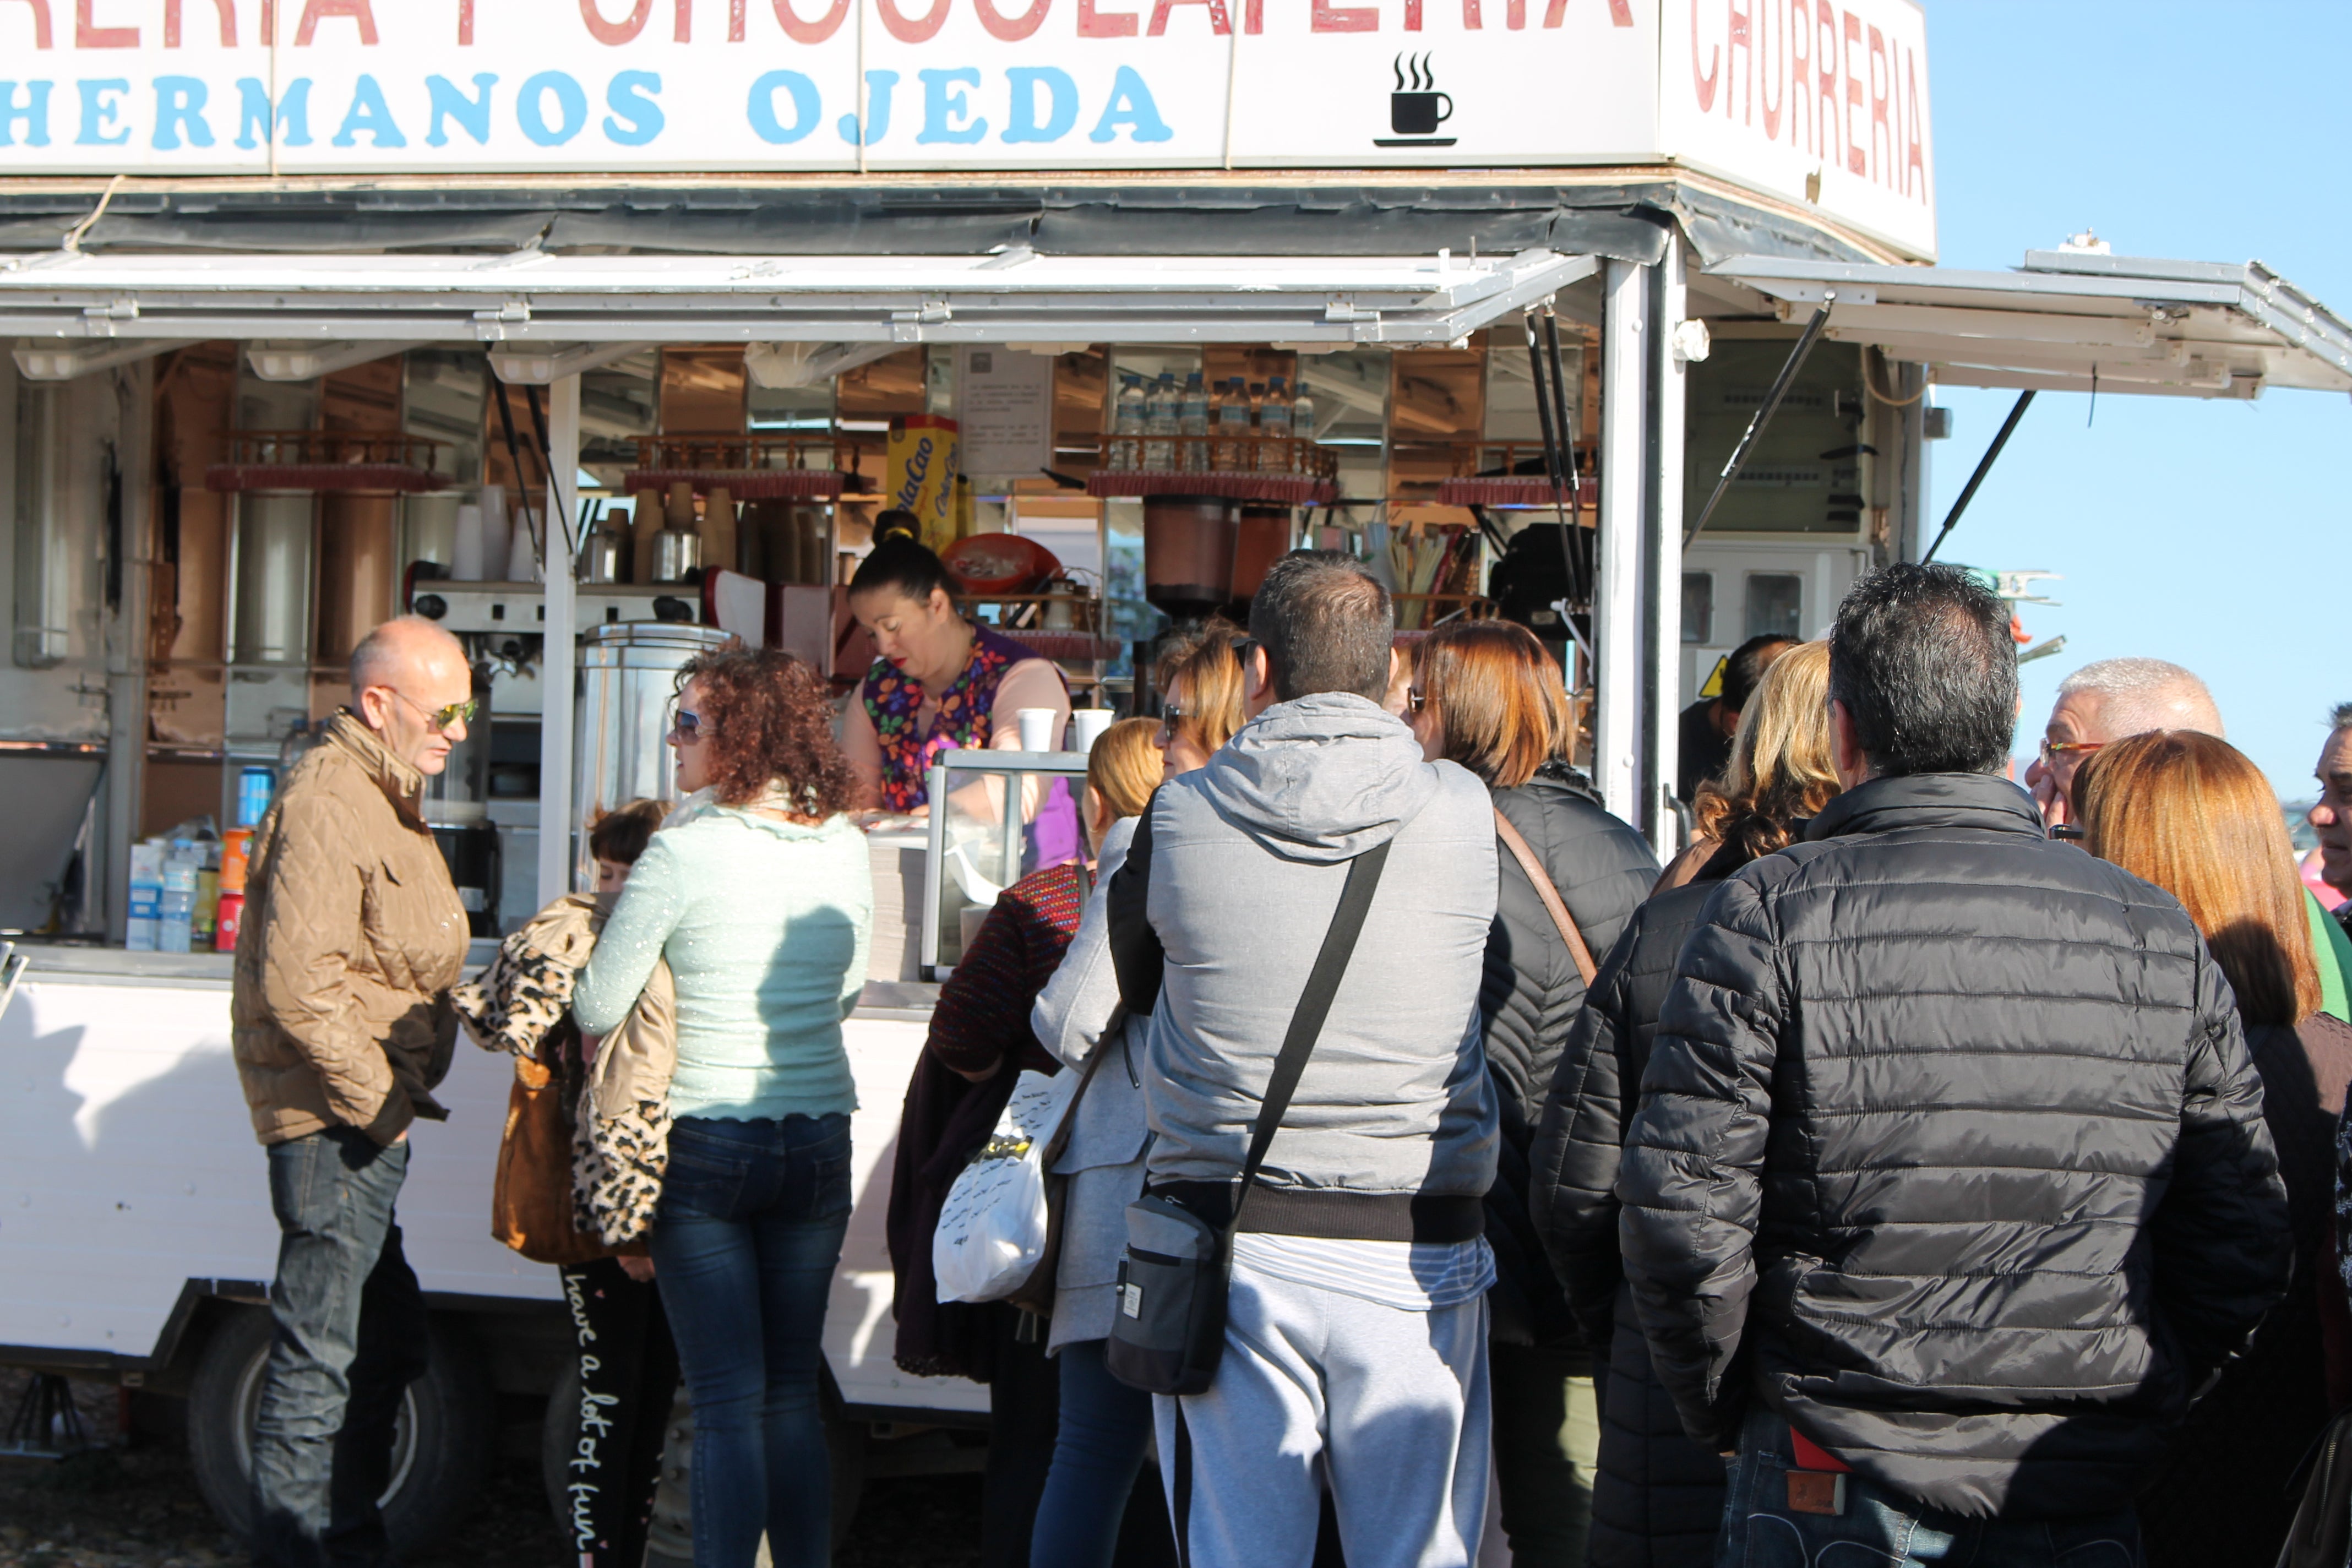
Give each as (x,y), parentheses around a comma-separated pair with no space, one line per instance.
(673,1522)
(441,1444)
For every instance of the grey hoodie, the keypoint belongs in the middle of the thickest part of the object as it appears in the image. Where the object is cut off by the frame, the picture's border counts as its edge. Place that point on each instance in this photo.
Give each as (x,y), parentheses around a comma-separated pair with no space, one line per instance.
(1247,857)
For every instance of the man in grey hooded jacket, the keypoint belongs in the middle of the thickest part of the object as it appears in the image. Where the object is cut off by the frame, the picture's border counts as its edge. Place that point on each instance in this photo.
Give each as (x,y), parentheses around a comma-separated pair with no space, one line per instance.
(1355,1347)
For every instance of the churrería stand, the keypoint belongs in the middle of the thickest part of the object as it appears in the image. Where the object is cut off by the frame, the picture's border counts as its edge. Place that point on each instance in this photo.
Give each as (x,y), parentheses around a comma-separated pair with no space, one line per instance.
(601,330)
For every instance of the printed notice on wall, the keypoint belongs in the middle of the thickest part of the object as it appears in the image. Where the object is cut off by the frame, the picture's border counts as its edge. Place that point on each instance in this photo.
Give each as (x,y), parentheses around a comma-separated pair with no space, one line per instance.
(1004,402)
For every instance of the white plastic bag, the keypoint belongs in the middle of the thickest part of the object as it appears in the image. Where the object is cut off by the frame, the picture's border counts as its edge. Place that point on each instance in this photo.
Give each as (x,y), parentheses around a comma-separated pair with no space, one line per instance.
(991,1231)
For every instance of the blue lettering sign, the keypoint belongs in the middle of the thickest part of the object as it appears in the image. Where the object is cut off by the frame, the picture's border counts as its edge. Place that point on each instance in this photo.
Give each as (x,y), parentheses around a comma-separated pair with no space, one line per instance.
(944,107)
(371,113)
(253,113)
(805,109)
(101,101)
(472,115)
(530,106)
(636,118)
(180,109)
(35,114)
(1130,105)
(1023,124)
(878,99)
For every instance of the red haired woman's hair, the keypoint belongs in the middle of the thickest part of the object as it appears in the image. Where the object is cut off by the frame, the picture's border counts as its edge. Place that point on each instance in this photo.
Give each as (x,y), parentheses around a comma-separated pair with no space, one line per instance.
(766,719)
(1500,698)
(2193,815)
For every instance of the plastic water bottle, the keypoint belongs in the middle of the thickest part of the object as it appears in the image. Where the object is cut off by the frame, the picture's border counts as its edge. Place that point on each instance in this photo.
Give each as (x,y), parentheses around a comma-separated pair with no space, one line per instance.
(1159,420)
(1193,419)
(1234,426)
(1127,426)
(175,906)
(146,895)
(1302,424)
(1274,428)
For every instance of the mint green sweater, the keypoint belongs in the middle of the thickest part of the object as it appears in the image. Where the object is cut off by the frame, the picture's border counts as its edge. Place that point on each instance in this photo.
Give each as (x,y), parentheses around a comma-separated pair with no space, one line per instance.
(765,926)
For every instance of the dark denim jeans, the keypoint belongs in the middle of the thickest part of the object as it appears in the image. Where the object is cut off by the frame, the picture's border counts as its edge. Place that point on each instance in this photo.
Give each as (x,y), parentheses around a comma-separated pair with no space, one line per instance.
(744,1243)
(350,1337)
(1105,1430)
(1880,1528)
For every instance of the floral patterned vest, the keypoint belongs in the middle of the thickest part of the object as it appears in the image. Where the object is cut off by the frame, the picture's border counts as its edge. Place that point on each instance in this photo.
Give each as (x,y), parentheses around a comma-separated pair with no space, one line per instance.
(893,697)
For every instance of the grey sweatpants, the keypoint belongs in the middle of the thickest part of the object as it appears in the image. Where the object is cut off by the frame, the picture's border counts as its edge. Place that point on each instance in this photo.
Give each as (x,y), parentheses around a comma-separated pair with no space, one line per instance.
(1388,1407)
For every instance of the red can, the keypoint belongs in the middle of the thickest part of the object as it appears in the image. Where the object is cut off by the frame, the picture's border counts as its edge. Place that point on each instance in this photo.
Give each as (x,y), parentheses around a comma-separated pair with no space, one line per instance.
(230,915)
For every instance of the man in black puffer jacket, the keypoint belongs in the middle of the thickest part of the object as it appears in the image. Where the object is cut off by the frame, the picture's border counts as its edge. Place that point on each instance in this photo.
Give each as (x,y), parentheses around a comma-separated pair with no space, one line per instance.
(1949,1187)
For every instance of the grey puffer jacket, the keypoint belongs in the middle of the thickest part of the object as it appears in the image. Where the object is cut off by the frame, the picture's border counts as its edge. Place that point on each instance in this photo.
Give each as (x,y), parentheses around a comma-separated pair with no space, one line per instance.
(1530,992)
(1215,921)
(1949,1150)
(1657,1496)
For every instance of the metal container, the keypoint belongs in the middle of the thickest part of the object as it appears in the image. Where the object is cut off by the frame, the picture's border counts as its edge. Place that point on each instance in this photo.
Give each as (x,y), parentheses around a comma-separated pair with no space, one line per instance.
(628,677)
(275,543)
(359,570)
(676,552)
(599,552)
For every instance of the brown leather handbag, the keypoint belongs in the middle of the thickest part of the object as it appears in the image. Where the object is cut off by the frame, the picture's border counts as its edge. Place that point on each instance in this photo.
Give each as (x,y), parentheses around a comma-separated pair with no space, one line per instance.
(531,1203)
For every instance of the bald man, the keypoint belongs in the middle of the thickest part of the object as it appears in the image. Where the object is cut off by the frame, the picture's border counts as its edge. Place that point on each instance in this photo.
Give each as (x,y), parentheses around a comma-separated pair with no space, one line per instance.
(353,935)
(2112,700)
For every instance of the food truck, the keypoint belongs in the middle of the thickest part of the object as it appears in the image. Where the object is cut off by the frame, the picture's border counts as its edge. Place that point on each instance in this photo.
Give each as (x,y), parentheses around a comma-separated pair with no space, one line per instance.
(600,330)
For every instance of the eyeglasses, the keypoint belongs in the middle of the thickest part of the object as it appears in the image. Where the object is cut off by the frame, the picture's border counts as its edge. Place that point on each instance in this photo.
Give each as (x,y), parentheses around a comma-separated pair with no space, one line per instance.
(2073,751)
(1414,699)
(1170,716)
(688,726)
(1244,648)
(441,717)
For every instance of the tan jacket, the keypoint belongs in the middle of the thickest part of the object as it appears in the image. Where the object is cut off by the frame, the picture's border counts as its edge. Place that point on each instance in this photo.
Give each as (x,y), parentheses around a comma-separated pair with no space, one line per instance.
(353,935)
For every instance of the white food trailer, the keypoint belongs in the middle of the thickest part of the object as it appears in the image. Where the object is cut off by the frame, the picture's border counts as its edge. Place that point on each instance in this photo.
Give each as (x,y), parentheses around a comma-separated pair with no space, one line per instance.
(213,236)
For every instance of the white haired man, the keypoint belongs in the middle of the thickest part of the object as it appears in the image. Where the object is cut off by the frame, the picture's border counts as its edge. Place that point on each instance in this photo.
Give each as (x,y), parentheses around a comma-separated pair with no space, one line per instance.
(2331,814)
(352,937)
(2112,700)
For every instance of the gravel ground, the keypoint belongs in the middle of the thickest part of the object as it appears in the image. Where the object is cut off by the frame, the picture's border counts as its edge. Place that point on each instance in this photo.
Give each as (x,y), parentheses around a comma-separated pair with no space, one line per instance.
(137,1506)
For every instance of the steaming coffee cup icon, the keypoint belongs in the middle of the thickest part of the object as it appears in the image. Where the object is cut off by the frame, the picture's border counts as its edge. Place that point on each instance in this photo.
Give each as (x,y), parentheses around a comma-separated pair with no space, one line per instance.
(1416,109)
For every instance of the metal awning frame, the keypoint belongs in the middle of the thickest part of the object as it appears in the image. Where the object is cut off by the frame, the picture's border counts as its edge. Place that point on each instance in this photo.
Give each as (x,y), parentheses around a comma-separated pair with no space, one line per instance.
(553,303)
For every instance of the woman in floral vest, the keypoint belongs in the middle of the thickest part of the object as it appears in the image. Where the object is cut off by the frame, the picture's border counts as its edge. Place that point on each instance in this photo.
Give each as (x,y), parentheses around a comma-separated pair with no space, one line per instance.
(940,683)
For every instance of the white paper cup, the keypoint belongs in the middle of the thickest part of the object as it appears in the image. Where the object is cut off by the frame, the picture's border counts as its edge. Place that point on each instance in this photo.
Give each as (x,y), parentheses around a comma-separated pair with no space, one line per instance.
(1086,726)
(1039,728)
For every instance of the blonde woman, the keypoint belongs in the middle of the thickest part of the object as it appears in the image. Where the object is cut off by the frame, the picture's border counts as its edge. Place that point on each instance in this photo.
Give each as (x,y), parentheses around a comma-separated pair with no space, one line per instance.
(1765,786)
(1658,1498)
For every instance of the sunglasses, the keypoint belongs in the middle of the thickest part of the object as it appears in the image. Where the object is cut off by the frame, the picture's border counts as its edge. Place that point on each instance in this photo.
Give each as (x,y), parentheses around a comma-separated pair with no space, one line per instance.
(1414,697)
(686,726)
(2073,751)
(1170,716)
(441,717)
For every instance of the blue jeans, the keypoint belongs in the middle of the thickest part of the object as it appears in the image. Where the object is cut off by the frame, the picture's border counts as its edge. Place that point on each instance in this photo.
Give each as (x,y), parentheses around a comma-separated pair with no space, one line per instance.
(1105,1430)
(349,1336)
(1881,1529)
(744,1243)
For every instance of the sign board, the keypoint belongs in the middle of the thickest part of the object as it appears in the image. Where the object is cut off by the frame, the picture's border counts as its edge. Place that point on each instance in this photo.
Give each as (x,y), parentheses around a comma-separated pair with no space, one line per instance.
(1005,405)
(622,87)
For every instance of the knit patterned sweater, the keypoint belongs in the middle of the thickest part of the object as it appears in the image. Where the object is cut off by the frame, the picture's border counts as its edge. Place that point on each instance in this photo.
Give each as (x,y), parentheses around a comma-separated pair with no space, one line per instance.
(983,1013)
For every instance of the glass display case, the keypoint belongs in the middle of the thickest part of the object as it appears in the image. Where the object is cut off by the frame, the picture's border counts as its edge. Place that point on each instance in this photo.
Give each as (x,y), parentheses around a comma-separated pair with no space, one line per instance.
(979,848)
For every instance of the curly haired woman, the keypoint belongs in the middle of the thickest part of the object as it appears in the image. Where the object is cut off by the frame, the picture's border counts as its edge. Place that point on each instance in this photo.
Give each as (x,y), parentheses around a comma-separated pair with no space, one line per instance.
(758,894)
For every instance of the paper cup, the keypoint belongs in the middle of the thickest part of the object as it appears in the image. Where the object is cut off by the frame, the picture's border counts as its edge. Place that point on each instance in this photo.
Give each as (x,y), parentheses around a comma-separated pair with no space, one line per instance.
(1086,726)
(1040,729)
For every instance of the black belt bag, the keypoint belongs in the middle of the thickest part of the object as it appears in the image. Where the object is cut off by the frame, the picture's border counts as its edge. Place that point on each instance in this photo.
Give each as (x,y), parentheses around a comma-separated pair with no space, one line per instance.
(1169,1332)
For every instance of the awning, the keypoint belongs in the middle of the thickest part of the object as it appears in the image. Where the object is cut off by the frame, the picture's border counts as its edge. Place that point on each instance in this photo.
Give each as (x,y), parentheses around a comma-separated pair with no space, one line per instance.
(2071,321)
(67,309)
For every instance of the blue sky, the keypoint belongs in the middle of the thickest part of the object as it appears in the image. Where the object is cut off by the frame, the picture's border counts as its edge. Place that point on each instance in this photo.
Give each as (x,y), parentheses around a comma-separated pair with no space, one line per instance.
(2209,534)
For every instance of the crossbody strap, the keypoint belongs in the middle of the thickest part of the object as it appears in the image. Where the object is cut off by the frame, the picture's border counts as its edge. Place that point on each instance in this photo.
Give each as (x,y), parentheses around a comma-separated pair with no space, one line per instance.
(1314,1006)
(1561,917)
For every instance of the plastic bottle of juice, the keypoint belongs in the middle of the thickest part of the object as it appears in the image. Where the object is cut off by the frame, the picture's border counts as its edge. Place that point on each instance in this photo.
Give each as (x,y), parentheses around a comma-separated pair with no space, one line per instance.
(1274,428)
(1233,426)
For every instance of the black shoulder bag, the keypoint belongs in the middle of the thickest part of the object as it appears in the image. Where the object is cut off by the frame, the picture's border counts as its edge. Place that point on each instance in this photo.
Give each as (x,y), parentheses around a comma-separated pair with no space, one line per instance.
(1169,1333)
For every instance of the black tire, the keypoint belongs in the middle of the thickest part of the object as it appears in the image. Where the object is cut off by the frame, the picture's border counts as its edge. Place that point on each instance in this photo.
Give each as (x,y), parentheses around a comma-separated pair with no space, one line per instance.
(441,1446)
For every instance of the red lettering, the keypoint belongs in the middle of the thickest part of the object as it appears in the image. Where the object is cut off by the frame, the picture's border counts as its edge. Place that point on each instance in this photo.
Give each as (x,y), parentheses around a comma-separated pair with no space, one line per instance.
(814,32)
(465,21)
(1621,12)
(1253,16)
(620,32)
(1825,76)
(1775,90)
(1554,11)
(315,11)
(88,34)
(682,22)
(1413,15)
(1913,155)
(917,31)
(1703,81)
(1012,29)
(1855,161)
(40,23)
(227,10)
(1326,18)
(1218,23)
(1882,83)
(1738,24)
(1801,65)
(736,20)
(1472,19)
(1094,23)
(1515,14)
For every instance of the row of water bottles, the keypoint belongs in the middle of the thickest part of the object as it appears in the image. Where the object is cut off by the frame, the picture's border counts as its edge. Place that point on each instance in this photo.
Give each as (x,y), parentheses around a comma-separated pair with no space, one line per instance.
(1151,417)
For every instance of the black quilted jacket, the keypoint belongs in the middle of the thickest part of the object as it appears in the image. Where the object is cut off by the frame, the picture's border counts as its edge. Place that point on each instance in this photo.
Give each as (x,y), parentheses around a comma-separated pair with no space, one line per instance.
(1527,997)
(1950,1149)
(1657,1497)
